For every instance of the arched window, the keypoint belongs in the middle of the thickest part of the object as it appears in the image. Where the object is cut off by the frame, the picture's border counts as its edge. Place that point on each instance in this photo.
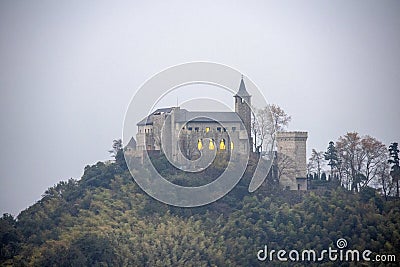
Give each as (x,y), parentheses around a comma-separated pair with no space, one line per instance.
(211,145)
(199,144)
(231,145)
(222,144)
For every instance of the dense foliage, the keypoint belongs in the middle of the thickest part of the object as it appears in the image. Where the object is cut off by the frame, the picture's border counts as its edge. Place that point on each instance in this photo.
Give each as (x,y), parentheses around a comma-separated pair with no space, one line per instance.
(105,219)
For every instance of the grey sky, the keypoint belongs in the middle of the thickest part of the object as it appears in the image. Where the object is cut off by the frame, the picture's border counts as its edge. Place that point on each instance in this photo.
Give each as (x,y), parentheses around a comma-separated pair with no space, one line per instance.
(68,70)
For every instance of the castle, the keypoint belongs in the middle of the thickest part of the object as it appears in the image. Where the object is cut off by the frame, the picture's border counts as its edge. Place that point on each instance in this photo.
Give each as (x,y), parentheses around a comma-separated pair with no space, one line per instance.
(184,135)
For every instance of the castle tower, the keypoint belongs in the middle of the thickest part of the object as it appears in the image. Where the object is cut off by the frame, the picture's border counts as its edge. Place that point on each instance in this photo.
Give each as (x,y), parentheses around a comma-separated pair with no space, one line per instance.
(291,148)
(242,108)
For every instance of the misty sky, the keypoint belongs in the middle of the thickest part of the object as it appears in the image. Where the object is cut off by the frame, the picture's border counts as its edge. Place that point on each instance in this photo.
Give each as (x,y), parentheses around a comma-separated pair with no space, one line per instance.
(68,70)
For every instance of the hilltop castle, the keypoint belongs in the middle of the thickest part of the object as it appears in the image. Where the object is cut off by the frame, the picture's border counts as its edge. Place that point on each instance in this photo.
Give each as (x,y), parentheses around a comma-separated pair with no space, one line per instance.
(185,133)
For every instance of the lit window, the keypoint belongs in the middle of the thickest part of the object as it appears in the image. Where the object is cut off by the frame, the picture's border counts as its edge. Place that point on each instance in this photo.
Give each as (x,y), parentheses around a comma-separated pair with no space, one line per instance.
(211,145)
(231,145)
(222,144)
(207,129)
(199,144)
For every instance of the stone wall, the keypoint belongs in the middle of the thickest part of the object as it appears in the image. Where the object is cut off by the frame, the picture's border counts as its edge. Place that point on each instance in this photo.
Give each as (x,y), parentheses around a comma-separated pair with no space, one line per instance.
(292,145)
(242,108)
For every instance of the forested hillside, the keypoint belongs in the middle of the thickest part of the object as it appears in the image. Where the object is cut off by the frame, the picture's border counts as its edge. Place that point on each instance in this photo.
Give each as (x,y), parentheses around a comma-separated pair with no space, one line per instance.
(105,219)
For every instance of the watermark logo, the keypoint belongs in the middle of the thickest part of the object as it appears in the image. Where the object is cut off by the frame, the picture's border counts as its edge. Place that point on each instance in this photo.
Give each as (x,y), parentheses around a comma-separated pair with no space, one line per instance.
(191,139)
(331,254)
(341,243)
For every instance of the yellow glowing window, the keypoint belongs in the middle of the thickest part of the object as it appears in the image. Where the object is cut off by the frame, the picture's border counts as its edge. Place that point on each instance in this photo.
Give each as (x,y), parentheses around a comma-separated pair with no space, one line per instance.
(207,129)
(231,145)
(199,145)
(222,144)
(211,145)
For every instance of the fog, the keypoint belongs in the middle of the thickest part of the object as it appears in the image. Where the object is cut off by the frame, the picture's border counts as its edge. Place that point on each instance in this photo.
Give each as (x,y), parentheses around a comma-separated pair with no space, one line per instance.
(68,70)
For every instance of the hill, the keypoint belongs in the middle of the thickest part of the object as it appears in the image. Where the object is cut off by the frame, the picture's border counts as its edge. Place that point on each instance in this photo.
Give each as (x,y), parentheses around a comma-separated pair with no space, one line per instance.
(105,219)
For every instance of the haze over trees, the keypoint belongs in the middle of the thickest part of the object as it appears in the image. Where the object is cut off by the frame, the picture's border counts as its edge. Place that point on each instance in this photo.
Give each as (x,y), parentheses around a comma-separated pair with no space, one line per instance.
(105,219)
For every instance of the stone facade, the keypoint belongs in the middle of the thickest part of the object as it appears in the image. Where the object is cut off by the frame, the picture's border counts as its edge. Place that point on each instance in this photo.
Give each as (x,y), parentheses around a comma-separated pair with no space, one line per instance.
(243,108)
(182,134)
(185,135)
(292,147)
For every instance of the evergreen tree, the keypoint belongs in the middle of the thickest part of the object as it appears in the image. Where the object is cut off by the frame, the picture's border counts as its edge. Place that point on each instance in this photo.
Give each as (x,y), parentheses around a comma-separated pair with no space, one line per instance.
(331,156)
(117,146)
(394,160)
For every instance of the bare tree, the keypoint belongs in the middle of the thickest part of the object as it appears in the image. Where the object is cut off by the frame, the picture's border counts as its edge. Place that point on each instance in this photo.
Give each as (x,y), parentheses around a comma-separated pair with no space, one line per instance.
(360,159)
(279,118)
(285,165)
(350,151)
(384,179)
(265,123)
(317,160)
(261,127)
(310,168)
(340,169)
(375,155)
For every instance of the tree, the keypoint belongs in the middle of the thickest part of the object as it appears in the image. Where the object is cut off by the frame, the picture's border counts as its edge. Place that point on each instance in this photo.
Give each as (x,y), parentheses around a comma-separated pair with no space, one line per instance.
(285,165)
(279,118)
(10,237)
(359,159)
(266,122)
(261,127)
(94,250)
(117,153)
(117,146)
(351,154)
(316,161)
(385,179)
(331,156)
(375,155)
(310,168)
(395,168)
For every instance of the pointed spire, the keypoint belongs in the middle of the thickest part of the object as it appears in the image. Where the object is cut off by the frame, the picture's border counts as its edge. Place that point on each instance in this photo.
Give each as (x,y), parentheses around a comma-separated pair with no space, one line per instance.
(242,89)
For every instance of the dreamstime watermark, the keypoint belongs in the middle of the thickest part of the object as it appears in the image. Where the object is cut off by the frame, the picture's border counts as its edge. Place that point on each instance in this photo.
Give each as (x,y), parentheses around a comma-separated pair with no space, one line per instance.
(165,136)
(340,253)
